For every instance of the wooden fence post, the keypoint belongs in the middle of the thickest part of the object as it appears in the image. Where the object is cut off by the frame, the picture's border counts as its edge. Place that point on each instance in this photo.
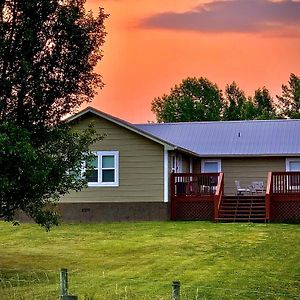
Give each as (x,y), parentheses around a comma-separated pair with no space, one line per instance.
(176,290)
(64,285)
(63,282)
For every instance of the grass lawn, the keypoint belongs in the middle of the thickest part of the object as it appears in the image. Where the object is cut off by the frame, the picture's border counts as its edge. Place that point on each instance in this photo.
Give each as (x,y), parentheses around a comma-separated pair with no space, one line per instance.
(140,260)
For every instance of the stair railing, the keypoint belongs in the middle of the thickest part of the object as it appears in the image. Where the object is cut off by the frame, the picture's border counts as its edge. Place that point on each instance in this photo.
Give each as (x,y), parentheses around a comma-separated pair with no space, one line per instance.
(269,192)
(218,195)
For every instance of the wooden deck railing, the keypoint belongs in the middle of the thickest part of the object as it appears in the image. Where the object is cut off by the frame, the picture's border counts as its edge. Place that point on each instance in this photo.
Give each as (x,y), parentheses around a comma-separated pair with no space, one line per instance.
(203,191)
(218,195)
(268,195)
(283,196)
(286,182)
(193,185)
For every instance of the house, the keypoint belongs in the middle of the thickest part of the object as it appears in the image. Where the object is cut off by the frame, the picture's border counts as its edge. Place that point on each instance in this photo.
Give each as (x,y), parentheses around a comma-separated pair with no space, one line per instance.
(186,170)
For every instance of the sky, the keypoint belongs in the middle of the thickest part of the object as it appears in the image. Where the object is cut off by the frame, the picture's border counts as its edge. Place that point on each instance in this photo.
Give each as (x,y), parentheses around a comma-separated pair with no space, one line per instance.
(151,45)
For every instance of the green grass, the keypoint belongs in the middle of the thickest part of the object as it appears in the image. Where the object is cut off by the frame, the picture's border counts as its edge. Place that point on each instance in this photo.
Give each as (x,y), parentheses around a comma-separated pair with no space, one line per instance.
(140,260)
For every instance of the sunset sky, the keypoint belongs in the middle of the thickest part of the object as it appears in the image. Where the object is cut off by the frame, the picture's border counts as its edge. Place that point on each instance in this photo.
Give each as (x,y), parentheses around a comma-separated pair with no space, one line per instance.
(151,45)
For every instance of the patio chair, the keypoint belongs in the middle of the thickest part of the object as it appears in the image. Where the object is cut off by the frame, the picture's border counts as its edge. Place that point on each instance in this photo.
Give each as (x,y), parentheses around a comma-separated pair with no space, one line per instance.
(258,187)
(240,190)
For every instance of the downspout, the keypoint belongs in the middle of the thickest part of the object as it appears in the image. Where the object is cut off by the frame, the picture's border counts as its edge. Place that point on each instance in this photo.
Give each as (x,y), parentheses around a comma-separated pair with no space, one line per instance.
(166,175)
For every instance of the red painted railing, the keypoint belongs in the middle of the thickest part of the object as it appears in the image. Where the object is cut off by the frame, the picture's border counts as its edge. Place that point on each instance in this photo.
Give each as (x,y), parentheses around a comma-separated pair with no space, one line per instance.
(283,195)
(190,187)
(286,182)
(218,196)
(194,185)
(269,192)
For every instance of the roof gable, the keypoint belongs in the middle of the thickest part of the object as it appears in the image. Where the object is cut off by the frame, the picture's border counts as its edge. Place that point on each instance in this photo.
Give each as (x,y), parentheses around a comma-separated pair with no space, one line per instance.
(121,123)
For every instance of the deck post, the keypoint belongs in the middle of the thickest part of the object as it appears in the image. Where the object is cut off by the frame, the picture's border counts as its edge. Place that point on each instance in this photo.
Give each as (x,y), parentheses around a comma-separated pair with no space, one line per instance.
(218,196)
(269,191)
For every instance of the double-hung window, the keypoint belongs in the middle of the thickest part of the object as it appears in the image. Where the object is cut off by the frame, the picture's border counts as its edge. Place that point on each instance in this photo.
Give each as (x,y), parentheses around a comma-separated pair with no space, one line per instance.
(104,169)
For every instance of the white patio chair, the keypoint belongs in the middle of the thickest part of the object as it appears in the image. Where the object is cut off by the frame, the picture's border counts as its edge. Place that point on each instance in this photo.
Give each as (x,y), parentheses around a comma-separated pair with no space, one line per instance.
(258,187)
(240,190)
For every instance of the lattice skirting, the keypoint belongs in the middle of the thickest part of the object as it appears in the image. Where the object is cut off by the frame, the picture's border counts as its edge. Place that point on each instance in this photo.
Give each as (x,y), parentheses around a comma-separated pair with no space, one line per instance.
(200,210)
(285,211)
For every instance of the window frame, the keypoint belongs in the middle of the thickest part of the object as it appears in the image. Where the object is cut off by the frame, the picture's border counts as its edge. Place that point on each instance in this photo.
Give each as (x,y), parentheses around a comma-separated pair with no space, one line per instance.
(288,161)
(218,161)
(100,182)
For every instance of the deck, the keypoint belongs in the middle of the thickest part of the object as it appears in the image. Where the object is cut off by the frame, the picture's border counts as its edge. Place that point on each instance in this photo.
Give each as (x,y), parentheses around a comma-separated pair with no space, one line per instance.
(201,197)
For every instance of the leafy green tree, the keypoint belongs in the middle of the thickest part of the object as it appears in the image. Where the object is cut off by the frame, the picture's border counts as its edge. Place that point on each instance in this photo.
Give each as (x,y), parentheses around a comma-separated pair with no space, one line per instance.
(237,107)
(289,101)
(249,110)
(33,178)
(194,99)
(48,51)
(264,104)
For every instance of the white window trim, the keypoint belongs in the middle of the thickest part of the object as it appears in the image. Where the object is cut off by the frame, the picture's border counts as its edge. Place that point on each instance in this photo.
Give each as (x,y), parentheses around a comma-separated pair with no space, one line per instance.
(218,161)
(288,161)
(115,183)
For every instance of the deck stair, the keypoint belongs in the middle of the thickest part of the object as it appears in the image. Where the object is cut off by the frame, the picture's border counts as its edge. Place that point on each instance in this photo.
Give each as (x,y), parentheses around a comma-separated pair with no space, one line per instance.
(242,208)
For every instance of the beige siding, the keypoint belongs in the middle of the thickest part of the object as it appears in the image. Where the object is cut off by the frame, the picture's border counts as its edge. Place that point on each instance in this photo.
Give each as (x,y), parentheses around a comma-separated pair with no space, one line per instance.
(247,170)
(140,166)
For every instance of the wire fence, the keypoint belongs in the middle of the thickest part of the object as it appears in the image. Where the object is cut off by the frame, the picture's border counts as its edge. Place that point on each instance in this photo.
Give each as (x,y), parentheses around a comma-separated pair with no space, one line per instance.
(22,284)
(44,285)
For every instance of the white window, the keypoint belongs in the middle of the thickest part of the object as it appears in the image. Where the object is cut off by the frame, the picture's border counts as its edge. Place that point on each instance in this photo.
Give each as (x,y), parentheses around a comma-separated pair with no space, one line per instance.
(105,169)
(211,165)
(292,164)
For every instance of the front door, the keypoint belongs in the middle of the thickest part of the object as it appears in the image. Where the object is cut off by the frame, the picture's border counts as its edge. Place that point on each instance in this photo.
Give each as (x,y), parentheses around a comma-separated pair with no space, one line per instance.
(176,163)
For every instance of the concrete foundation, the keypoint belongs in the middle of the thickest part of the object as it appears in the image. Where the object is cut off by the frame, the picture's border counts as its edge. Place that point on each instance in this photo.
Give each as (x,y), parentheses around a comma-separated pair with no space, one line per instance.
(111,212)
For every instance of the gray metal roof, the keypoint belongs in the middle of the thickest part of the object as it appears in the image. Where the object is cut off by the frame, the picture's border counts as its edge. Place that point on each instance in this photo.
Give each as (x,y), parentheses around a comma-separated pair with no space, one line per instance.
(231,138)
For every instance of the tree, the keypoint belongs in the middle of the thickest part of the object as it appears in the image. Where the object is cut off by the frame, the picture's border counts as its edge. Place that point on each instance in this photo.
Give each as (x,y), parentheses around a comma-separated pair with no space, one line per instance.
(194,99)
(33,178)
(236,107)
(264,104)
(48,51)
(289,101)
